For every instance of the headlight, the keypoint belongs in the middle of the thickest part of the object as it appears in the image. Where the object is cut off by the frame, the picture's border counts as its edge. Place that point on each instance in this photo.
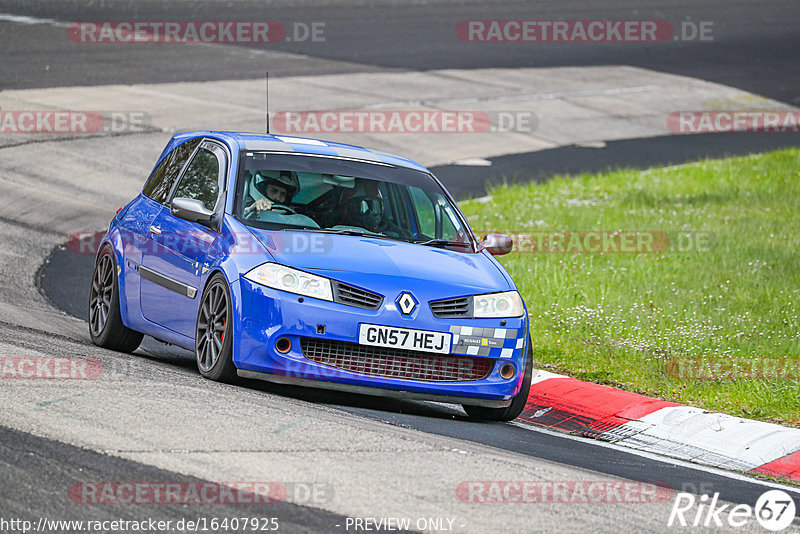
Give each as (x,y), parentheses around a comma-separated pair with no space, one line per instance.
(508,304)
(284,278)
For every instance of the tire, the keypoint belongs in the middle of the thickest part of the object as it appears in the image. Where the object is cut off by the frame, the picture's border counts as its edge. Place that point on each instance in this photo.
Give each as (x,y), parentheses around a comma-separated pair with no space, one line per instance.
(212,340)
(512,411)
(105,321)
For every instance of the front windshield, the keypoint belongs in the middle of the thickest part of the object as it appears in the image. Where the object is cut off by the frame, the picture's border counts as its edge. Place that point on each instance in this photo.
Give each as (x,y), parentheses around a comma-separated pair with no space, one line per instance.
(278,192)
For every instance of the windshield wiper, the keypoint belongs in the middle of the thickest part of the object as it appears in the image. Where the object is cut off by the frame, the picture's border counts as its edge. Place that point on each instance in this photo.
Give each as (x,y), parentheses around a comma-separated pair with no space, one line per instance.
(442,243)
(341,232)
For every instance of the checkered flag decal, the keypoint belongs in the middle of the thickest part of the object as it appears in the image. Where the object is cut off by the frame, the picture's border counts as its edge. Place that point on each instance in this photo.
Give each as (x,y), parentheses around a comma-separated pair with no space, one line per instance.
(487,342)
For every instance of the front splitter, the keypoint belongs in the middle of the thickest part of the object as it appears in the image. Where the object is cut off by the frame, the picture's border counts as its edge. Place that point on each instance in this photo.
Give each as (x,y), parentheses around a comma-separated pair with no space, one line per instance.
(376,392)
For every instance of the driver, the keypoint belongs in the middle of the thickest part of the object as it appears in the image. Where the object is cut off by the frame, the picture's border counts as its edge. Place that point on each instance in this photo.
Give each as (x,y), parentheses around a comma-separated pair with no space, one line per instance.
(268,188)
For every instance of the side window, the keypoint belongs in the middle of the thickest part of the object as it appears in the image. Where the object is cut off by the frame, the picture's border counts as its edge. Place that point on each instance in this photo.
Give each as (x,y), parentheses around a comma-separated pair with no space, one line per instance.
(163,178)
(201,179)
(425,214)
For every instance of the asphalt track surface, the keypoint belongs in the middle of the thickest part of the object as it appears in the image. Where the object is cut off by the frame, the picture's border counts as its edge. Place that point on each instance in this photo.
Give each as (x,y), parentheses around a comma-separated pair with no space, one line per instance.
(755,45)
(756,48)
(34,466)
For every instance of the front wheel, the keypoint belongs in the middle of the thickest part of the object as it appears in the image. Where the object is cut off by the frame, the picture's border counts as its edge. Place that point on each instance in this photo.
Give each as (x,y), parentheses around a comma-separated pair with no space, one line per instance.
(105,320)
(212,339)
(512,411)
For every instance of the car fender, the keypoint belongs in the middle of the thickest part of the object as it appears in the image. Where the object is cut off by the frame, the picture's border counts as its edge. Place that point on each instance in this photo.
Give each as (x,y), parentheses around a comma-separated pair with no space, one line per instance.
(499,267)
(235,252)
(238,250)
(511,284)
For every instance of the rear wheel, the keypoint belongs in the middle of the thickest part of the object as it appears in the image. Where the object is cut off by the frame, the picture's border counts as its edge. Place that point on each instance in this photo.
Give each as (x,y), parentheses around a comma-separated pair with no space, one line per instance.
(105,320)
(512,411)
(212,339)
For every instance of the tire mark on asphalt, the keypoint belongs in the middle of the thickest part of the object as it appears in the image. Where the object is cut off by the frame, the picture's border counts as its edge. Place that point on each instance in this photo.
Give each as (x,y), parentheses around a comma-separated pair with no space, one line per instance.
(40,406)
(38,331)
(29,226)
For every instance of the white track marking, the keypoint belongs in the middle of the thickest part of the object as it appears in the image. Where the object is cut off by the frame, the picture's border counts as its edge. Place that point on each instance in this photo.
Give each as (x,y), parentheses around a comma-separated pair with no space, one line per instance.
(663,459)
(253,52)
(21,19)
(710,438)
(542,375)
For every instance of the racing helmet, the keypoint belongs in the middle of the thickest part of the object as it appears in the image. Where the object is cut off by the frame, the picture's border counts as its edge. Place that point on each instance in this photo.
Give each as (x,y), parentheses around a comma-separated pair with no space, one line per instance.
(363,206)
(285,179)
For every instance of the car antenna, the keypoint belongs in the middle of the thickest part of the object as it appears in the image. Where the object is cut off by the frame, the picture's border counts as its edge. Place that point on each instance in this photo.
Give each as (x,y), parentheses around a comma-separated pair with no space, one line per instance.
(267,99)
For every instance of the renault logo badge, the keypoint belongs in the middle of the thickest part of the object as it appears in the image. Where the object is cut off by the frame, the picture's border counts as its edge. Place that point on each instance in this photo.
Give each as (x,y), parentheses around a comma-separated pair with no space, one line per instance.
(406,303)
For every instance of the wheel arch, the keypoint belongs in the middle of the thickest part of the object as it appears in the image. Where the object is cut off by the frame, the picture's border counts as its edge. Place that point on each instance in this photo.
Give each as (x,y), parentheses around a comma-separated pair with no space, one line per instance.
(211,273)
(113,240)
(219,270)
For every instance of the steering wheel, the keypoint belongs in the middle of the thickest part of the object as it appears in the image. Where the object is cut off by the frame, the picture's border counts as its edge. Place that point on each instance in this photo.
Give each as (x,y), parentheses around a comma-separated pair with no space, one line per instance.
(283,208)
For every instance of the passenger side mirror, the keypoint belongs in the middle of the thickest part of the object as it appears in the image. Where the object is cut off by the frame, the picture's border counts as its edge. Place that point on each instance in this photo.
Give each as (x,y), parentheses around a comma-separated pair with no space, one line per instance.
(498,244)
(191,209)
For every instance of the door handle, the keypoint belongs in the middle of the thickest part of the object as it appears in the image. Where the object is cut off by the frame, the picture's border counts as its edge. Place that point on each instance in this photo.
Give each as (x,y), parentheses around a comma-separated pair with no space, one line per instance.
(155,229)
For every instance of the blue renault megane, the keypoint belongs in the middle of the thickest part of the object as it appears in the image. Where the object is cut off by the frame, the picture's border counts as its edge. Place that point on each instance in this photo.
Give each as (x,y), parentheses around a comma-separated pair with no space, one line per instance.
(314,263)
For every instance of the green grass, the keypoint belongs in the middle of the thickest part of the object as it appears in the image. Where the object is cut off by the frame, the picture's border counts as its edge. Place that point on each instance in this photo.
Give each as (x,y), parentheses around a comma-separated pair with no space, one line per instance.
(715,328)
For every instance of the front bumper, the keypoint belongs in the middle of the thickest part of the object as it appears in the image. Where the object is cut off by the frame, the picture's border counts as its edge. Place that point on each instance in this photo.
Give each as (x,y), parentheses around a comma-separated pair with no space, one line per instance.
(265,315)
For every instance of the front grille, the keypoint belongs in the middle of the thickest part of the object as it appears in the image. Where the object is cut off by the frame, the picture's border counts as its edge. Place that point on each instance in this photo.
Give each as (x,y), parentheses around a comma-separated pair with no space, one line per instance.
(451,308)
(355,296)
(395,363)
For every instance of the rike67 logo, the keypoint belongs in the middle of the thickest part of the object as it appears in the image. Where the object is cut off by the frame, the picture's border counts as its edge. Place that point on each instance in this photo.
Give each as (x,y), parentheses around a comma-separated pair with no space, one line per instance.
(774,510)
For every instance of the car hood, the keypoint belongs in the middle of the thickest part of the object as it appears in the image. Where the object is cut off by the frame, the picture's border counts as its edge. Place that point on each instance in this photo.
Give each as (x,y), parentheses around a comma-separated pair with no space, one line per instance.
(376,263)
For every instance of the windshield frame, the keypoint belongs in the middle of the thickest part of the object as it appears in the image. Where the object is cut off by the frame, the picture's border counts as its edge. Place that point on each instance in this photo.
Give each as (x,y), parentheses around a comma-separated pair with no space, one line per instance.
(385,172)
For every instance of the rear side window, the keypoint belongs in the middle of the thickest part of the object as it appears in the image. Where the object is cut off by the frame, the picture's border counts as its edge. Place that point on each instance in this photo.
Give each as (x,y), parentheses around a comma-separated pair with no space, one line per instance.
(163,178)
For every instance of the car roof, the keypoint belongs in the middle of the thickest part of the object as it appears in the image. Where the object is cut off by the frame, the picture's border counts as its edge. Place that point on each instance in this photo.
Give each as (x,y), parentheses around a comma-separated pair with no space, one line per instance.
(261,142)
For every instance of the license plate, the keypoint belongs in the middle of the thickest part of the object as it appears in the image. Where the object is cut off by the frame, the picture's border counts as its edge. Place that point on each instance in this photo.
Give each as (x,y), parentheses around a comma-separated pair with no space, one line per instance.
(404,338)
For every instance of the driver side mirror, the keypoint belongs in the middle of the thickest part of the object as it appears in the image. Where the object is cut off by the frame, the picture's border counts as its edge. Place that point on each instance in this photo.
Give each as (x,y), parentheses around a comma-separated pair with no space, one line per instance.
(191,209)
(498,244)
